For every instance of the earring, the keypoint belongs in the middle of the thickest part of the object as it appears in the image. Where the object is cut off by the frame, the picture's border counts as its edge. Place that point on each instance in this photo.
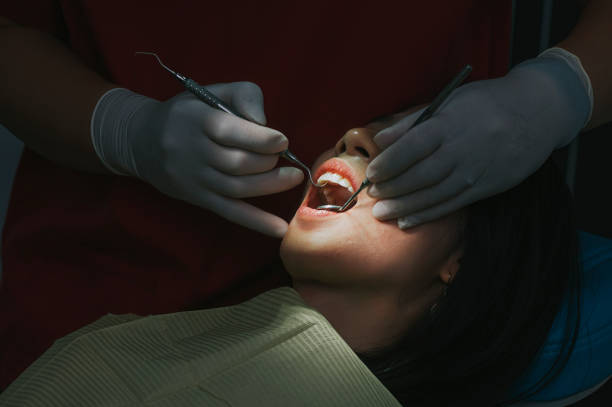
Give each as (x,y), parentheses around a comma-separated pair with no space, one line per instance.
(434,307)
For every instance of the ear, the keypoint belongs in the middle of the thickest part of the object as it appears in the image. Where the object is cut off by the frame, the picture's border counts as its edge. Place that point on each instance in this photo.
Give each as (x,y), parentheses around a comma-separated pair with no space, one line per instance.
(451,267)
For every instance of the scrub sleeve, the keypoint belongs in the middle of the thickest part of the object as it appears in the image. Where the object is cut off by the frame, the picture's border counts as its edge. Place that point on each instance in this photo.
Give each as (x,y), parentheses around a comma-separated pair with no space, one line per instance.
(77,246)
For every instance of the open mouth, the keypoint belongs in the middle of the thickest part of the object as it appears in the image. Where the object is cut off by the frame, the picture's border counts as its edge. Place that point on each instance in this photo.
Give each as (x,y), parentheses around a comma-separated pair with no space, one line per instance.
(339,181)
(331,194)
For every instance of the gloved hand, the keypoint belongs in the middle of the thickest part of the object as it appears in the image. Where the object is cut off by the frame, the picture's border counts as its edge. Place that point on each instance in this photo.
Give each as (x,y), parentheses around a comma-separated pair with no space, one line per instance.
(487,138)
(193,152)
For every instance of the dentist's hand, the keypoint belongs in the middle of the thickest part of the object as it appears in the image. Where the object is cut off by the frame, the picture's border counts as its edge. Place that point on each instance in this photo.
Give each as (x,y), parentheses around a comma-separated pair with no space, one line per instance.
(488,137)
(193,152)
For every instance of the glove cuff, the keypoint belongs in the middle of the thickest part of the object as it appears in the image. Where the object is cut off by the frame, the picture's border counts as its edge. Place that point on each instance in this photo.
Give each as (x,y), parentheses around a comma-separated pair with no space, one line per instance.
(576,65)
(561,102)
(109,129)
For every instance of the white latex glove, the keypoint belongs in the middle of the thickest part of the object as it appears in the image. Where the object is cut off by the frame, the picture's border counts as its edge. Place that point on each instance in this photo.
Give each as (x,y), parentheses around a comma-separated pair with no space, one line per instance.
(488,137)
(193,152)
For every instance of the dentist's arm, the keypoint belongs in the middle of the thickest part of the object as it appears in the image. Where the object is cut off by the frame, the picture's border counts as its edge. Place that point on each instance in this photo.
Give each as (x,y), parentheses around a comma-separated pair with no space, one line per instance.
(47,96)
(184,148)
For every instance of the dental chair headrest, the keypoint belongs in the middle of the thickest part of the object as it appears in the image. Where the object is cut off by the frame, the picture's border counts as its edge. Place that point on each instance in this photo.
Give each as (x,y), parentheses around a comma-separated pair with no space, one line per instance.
(590,363)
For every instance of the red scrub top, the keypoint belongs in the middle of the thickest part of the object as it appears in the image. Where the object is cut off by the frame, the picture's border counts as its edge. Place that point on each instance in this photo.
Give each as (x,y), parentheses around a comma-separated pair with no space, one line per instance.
(77,246)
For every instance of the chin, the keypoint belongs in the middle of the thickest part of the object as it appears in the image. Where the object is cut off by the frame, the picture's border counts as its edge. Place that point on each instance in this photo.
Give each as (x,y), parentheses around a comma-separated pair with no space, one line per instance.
(309,259)
(342,249)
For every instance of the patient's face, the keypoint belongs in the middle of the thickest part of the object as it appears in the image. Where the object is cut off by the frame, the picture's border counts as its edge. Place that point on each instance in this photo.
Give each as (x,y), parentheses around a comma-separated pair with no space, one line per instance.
(369,278)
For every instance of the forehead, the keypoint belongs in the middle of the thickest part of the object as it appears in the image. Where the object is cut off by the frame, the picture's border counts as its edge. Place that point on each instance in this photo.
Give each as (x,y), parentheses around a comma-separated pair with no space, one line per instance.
(388,119)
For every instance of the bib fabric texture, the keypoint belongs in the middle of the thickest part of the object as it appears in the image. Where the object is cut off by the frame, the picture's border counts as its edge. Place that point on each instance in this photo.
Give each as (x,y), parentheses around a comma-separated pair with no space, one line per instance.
(270,351)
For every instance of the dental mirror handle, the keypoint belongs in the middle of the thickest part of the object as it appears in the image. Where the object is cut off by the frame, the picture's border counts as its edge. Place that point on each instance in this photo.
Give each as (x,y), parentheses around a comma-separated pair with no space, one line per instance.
(364,184)
(212,100)
(427,113)
(442,96)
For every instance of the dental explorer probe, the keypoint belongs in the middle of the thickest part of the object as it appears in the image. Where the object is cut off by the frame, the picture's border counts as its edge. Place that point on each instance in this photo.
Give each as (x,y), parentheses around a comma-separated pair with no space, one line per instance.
(213,101)
(427,113)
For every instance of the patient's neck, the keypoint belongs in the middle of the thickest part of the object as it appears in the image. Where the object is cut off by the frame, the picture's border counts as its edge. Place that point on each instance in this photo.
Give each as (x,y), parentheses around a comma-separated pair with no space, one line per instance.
(364,318)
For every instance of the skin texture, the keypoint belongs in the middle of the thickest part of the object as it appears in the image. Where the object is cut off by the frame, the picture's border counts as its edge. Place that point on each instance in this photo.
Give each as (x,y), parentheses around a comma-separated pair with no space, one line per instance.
(370,279)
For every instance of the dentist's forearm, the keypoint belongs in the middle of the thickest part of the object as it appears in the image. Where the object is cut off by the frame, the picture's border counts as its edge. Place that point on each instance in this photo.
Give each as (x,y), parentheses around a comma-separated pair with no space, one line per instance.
(47,96)
(589,41)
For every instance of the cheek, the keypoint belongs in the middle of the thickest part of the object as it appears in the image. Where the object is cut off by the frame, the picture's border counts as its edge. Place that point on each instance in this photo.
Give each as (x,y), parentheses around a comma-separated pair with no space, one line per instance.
(399,257)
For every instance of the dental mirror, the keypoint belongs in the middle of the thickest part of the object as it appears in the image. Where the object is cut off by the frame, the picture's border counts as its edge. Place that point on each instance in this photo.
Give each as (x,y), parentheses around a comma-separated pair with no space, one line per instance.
(342,208)
(329,207)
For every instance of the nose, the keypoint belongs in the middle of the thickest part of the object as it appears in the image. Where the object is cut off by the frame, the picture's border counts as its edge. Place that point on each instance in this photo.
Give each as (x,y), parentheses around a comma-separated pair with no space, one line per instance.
(358,142)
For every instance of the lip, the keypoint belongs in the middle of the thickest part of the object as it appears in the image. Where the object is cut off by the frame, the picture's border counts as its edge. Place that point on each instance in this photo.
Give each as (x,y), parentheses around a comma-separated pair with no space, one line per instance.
(341,168)
(337,166)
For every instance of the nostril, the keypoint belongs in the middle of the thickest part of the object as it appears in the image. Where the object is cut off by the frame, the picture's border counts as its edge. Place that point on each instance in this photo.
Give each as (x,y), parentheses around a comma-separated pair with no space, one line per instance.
(363,152)
(357,142)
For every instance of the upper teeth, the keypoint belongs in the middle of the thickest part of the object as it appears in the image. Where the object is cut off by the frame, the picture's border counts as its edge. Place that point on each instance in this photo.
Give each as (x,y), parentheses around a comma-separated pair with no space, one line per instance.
(336,179)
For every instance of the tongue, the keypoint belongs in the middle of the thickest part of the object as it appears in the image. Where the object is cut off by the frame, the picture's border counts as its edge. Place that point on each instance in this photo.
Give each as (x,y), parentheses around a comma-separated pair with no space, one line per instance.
(334,194)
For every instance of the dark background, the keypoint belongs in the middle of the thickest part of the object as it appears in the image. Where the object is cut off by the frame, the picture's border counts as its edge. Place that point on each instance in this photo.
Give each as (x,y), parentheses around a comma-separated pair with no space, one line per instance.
(593,166)
(591,193)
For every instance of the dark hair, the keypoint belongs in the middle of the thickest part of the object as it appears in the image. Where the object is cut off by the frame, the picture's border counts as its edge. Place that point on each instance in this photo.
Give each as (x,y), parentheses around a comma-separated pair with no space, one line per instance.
(520,263)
